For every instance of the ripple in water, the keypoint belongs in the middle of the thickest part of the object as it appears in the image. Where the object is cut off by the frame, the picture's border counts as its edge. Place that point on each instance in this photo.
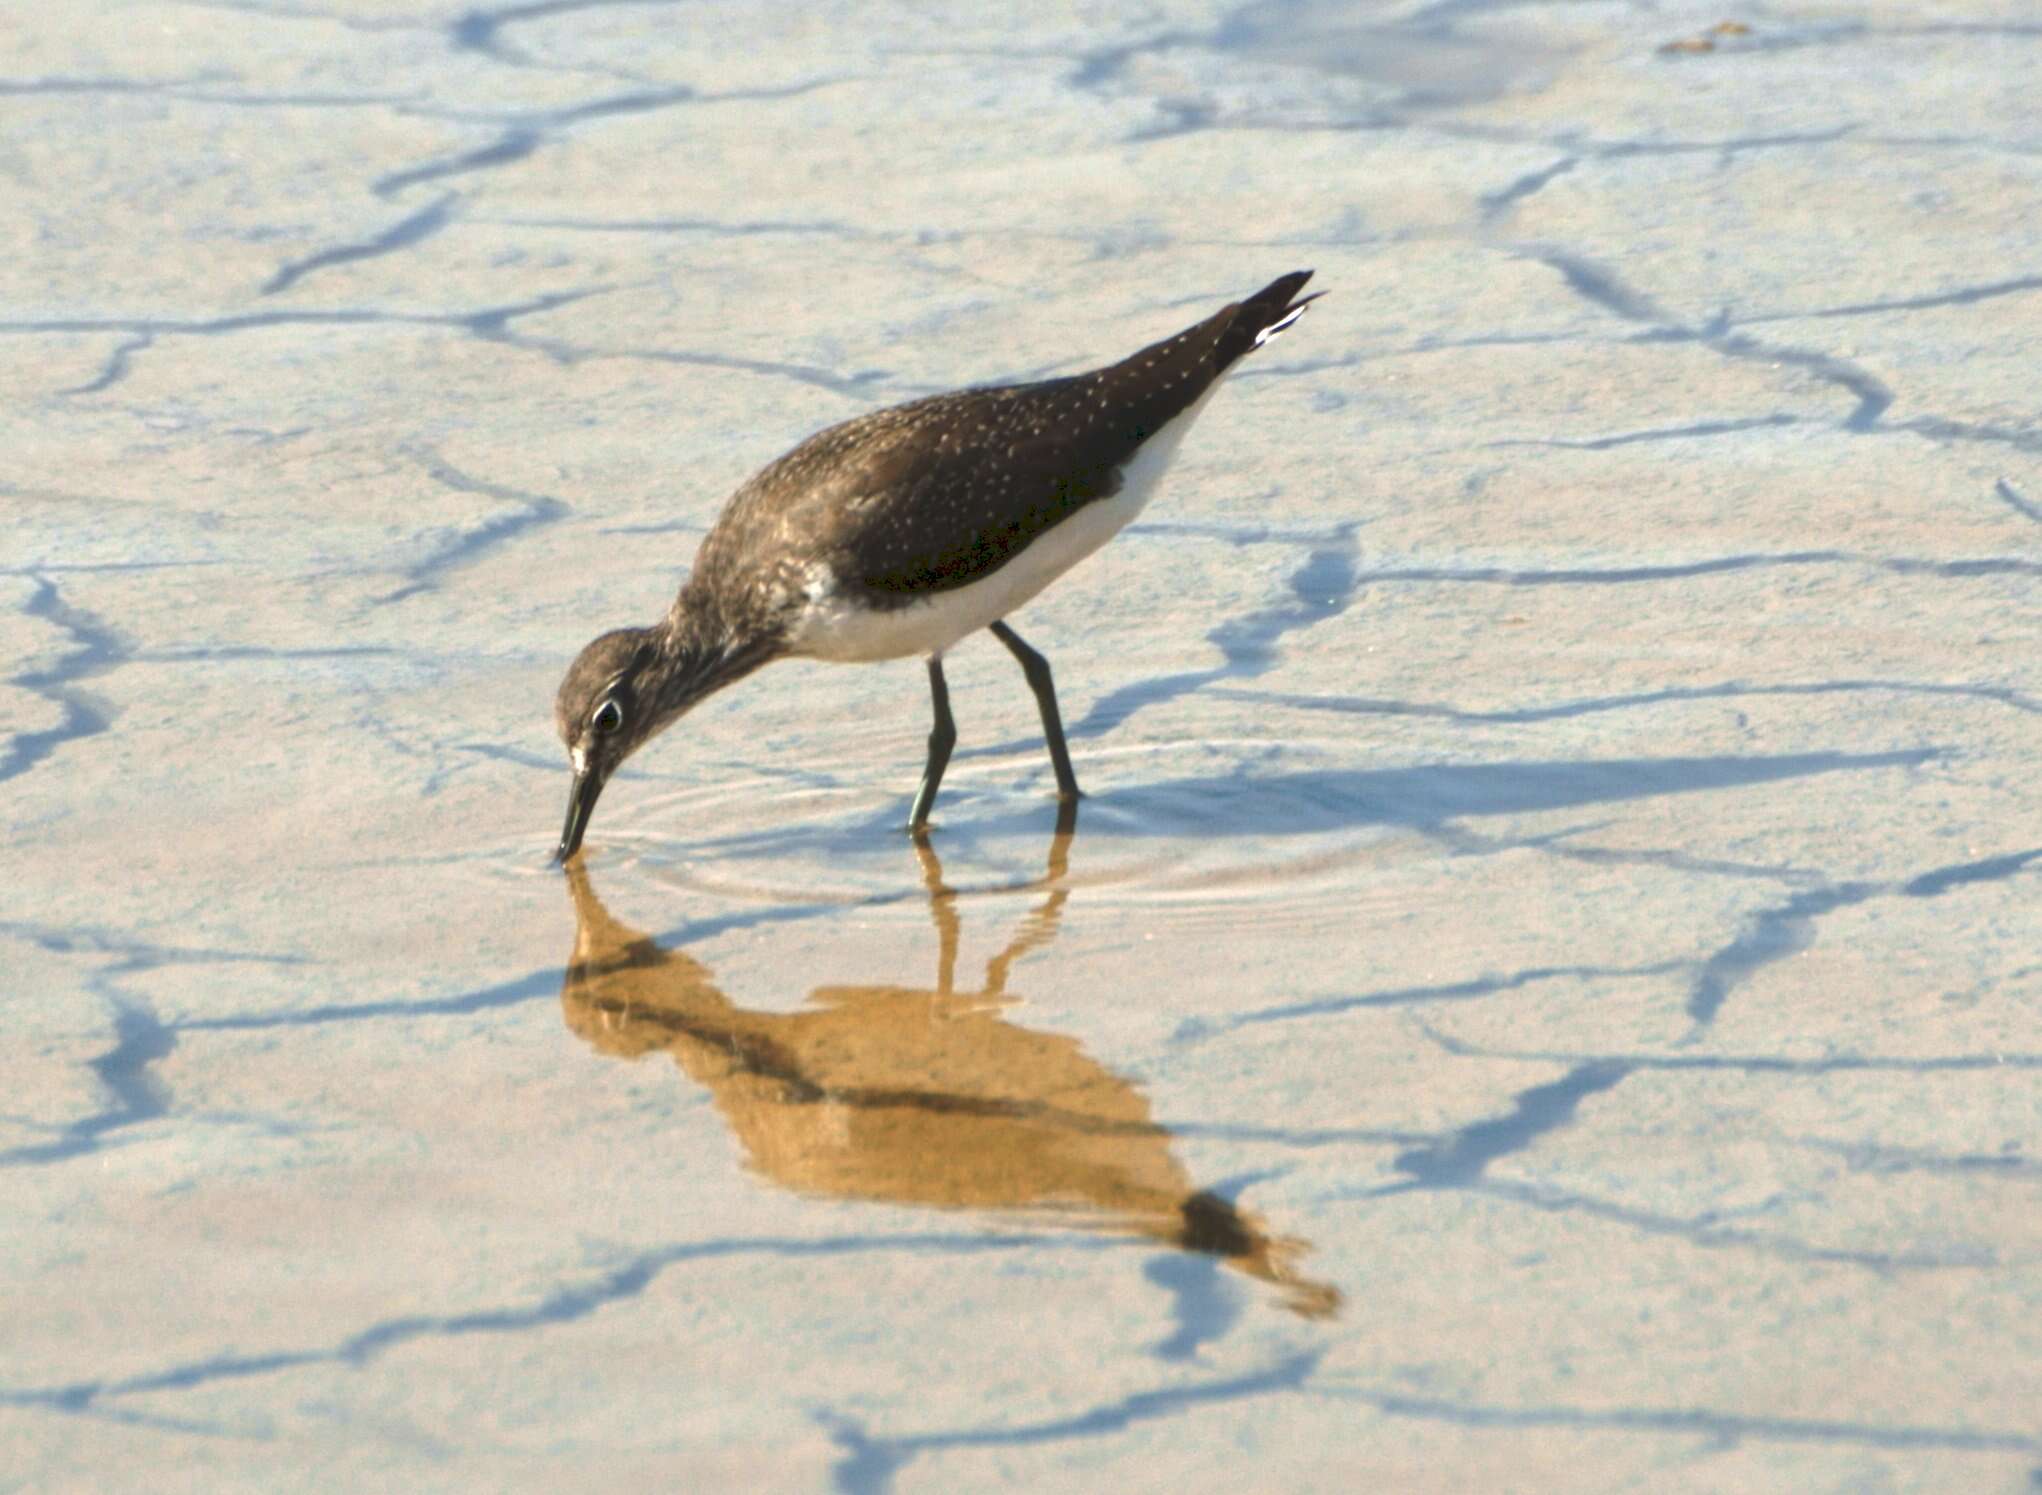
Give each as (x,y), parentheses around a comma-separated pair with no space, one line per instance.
(1188,835)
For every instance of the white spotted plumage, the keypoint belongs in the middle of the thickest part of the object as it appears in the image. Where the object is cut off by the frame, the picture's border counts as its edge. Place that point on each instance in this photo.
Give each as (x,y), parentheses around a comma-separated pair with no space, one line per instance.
(838,625)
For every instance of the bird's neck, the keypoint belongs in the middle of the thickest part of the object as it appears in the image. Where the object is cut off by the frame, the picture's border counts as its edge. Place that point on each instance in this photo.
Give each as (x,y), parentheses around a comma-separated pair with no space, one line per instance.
(703,650)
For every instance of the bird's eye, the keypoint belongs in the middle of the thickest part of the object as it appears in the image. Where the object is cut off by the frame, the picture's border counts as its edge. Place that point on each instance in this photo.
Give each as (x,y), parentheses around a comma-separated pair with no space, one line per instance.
(608,718)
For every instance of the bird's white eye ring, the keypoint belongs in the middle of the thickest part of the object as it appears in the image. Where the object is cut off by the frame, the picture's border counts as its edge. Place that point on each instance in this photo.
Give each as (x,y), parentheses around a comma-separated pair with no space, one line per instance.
(608,717)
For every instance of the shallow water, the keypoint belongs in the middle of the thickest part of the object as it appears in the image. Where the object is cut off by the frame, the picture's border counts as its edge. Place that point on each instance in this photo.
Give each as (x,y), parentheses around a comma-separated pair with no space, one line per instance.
(1540,990)
(919,1096)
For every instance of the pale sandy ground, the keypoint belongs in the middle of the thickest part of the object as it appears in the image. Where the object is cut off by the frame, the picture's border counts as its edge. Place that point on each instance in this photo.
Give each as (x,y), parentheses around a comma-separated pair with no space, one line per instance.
(1562,865)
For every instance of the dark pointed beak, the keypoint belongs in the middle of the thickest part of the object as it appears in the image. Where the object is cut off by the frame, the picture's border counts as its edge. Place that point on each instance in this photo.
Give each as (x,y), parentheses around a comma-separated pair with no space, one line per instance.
(581,804)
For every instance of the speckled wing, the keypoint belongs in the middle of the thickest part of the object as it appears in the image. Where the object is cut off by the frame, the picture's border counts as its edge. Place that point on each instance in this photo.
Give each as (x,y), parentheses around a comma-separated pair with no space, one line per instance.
(936,494)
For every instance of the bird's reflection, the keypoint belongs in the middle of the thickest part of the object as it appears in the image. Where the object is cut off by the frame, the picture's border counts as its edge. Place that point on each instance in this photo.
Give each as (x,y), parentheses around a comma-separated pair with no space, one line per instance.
(910,1096)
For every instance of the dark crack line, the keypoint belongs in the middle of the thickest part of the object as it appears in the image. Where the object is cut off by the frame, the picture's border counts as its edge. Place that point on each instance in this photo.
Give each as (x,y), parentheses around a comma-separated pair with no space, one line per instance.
(1774,934)
(202,88)
(140,1038)
(479,30)
(1601,287)
(512,993)
(62,567)
(1742,1063)
(1560,844)
(1771,935)
(1240,536)
(189,1426)
(870,1463)
(1970,143)
(97,649)
(1102,65)
(1724,150)
(212,653)
(534,985)
(520,137)
(1881,1159)
(716,228)
(134,1095)
(1302,367)
(562,1305)
(1707,1232)
(1713,566)
(2019,30)
(1425,345)
(464,548)
(401,103)
(864,384)
(18,88)
(116,366)
(1963,874)
(1178,117)
(513,145)
(64,496)
(1662,433)
(1793,38)
(444,764)
(521,757)
(1577,143)
(1439,17)
(1873,397)
(1197,1030)
(662,527)
(1940,428)
(489,317)
(401,235)
(2016,502)
(1731,690)
(1723,1429)
(1494,205)
(1096,69)
(297,10)
(1321,589)
(1459,1159)
(1963,296)
(1291,1136)
(1577,149)
(491,324)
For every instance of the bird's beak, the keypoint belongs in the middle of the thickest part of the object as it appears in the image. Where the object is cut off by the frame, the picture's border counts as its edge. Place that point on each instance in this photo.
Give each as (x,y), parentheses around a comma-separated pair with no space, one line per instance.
(581,804)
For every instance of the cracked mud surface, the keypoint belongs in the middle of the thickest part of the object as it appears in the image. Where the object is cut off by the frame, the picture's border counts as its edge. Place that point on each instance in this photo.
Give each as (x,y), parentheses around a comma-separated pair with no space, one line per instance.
(1542,991)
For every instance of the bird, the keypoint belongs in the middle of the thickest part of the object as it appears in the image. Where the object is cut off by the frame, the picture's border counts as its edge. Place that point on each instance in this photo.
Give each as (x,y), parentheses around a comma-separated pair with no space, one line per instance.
(902,531)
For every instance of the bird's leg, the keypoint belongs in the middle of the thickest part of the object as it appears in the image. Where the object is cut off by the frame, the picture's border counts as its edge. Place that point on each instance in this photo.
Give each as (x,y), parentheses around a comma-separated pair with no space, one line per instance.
(942,738)
(1036,668)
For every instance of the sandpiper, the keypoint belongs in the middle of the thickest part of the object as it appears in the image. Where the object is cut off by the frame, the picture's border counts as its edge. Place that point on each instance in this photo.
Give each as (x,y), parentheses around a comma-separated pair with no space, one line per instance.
(900,532)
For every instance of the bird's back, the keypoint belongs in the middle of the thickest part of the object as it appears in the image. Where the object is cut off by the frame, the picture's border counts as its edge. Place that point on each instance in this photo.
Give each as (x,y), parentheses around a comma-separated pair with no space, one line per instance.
(915,500)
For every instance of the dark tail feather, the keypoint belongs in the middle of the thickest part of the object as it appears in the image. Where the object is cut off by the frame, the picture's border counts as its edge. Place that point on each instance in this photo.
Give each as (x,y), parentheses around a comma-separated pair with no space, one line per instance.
(1263,315)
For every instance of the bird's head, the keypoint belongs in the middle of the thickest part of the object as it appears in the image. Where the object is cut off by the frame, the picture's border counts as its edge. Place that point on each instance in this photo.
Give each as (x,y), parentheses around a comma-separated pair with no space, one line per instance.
(604,713)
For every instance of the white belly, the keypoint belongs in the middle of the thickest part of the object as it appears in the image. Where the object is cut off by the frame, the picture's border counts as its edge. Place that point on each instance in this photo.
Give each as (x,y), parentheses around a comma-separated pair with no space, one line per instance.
(838,628)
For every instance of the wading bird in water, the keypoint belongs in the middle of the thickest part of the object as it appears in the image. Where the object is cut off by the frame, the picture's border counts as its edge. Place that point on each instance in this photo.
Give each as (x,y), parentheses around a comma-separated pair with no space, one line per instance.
(900,532)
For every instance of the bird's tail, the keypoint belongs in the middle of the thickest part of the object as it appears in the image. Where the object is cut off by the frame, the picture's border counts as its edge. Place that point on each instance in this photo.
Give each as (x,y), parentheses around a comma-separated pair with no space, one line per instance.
(1264,315)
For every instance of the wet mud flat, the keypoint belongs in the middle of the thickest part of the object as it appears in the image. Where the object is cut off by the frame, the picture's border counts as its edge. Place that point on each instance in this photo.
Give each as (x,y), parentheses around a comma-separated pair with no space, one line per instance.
(1541,990)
